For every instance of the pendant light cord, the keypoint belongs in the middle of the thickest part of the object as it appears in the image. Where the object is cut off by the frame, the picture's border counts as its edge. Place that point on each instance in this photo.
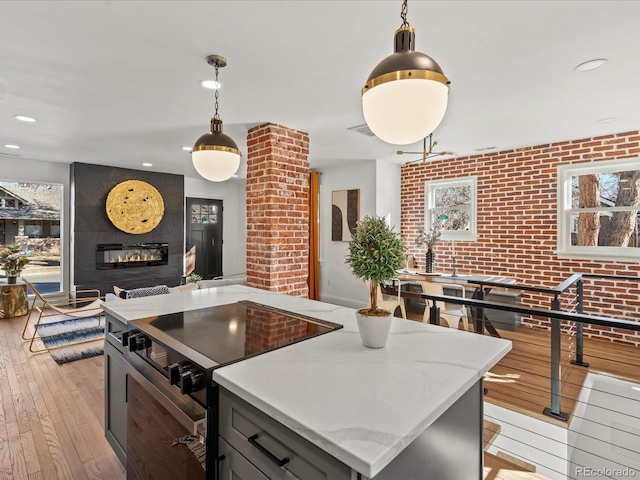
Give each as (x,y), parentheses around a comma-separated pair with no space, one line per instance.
(217,90)
(403,14)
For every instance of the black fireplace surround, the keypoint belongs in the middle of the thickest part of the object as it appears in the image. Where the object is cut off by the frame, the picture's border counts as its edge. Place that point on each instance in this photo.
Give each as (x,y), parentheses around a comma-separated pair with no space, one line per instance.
(90,226)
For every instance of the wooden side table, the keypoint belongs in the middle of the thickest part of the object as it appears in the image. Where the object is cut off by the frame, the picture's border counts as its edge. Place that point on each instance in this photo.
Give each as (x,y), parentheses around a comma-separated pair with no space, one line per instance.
(13,300)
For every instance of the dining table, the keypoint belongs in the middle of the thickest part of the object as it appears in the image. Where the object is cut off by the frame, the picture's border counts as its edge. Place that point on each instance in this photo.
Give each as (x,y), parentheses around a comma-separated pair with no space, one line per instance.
(481,284)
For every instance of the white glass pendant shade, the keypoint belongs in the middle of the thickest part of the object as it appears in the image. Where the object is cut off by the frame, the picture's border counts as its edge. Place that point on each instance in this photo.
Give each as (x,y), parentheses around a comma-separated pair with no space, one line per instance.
(405,111)
(216,165)
(215,155)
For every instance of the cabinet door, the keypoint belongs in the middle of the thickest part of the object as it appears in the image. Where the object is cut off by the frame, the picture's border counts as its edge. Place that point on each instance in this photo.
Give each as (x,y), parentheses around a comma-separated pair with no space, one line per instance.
(235,467)
(115,402)
(277,451)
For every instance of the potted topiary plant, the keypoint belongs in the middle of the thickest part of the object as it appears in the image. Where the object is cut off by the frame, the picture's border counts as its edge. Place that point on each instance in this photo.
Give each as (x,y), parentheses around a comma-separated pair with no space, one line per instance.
(13,261)
(375,254)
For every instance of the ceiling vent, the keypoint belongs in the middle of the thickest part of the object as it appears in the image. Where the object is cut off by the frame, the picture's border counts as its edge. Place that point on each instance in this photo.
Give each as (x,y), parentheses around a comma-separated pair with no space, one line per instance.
(363,129)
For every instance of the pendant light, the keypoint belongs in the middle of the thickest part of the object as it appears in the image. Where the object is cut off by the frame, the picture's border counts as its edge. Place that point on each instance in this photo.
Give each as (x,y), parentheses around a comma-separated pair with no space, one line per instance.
(215,155)
(406,95)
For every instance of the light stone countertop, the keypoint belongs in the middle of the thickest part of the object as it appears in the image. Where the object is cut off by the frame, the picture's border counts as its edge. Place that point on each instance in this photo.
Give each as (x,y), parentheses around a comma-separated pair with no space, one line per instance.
(361,405)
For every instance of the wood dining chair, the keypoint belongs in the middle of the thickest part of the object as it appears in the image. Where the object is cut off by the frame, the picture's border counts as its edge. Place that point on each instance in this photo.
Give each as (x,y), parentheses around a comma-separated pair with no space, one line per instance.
(450,313)
(391,302)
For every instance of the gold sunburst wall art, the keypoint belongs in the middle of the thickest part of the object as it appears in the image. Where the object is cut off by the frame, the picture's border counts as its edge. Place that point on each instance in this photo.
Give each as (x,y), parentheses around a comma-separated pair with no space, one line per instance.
(134,206)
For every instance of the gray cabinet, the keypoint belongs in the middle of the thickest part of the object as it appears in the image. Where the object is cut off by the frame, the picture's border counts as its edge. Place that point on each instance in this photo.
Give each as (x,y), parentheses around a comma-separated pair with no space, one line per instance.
(235,467)
(279,453)
(115,390)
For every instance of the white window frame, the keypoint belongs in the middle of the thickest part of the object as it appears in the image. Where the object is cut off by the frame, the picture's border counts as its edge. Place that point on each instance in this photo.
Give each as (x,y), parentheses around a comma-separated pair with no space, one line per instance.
(565,210)
(429,201)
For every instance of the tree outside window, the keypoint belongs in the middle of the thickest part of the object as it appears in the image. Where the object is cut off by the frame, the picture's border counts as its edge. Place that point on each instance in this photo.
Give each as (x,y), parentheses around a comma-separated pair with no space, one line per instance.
(452,205)
(598,211)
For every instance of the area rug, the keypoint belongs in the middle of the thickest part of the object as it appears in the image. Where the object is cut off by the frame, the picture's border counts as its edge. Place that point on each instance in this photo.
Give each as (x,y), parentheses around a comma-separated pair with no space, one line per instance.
(65,333)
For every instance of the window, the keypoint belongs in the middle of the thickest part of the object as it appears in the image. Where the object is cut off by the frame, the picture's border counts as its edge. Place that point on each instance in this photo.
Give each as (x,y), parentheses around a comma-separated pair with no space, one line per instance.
(55,229)
(204,213)
(8,202)
(598,206)
(33,228)
(452,204)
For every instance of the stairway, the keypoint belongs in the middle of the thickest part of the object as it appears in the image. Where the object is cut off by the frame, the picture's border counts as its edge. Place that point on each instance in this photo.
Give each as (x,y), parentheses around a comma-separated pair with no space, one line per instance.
(502,466)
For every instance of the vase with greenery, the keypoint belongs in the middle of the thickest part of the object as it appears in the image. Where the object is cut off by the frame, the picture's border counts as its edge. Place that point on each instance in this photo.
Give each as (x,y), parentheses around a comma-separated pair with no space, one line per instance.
(375,254)
(12,261)
(429,238)
(193,278)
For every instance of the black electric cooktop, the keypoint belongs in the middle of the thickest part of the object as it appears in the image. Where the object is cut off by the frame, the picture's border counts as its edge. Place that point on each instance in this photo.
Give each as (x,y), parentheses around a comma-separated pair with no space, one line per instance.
(223,334)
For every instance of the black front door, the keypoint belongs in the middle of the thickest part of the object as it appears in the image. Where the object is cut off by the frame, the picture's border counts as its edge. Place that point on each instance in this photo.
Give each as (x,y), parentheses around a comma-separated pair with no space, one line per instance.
(204,231)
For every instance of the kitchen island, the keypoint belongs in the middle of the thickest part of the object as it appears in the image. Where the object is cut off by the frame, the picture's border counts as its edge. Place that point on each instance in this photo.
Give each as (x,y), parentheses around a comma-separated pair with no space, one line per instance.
(410,410)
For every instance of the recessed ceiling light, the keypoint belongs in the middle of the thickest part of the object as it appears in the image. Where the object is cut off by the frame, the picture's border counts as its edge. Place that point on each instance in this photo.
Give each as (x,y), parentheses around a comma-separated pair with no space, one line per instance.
(24,118)
(187,149)
(211,84)
(147,164)
(606,120)
(591,65)
(15,147)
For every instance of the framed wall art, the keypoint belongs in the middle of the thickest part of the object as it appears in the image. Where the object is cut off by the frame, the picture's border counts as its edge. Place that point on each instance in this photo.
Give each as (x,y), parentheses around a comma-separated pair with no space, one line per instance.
(345,213)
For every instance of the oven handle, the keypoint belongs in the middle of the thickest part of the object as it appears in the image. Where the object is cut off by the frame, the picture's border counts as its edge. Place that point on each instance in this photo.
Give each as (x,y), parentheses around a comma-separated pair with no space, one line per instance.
(182,407)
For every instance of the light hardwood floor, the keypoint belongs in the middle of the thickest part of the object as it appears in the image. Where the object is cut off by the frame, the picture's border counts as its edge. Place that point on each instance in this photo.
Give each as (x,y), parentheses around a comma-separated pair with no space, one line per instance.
(51,416)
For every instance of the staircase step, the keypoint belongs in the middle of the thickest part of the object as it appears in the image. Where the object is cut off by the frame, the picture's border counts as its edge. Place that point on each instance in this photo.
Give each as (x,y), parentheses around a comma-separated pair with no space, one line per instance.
(489,433)
(526,466)
(496,468)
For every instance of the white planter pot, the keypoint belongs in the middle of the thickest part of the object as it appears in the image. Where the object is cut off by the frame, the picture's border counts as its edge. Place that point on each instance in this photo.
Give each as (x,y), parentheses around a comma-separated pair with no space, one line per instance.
(374,330)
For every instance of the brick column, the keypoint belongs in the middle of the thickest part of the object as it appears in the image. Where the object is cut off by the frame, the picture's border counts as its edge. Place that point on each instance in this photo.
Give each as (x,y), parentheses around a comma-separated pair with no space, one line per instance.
(278,209)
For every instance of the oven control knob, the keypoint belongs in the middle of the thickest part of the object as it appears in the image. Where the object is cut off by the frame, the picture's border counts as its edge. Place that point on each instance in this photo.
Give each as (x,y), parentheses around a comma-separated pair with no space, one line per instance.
(177,369)
(191,381)
(138,342)
(125,339)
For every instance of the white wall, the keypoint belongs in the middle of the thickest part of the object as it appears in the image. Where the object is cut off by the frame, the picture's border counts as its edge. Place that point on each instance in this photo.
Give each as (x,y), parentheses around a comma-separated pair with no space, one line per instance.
(379,184)
(234,233)
(388,192)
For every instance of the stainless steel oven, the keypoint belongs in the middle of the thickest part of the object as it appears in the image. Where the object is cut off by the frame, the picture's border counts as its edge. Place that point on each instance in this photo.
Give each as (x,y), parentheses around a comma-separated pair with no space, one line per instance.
(166,430)
(172,400)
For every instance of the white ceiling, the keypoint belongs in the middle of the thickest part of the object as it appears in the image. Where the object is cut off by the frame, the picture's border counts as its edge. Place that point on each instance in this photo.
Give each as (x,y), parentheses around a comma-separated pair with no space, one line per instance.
(117,82)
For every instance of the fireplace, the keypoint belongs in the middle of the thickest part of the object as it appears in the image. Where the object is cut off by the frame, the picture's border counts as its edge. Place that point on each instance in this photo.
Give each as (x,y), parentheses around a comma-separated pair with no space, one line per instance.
(117,255)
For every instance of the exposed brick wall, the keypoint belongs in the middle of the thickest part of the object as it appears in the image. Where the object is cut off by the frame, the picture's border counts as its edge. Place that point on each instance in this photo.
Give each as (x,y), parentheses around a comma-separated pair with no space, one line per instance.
(517,204)
(278,209)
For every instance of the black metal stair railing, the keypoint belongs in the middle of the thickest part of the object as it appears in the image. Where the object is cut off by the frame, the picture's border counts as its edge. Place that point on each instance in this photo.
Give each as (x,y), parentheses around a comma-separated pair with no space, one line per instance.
(555,315)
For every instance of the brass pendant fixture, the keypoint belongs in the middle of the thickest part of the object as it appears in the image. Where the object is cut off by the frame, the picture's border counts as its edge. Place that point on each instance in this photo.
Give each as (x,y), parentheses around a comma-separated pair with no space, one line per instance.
(406,94)
(215,155)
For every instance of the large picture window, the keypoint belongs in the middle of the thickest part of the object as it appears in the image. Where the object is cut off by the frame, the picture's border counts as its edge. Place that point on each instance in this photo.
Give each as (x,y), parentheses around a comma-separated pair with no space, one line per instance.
(452,205)
(30,219)
(598,206)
